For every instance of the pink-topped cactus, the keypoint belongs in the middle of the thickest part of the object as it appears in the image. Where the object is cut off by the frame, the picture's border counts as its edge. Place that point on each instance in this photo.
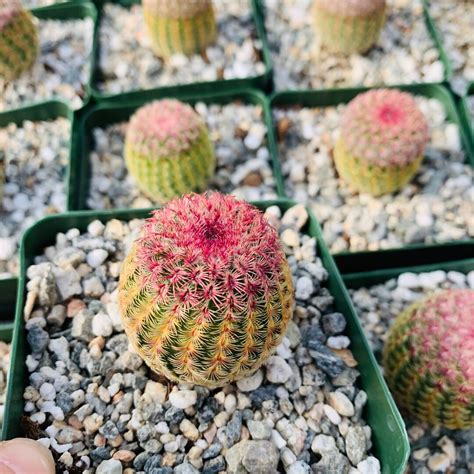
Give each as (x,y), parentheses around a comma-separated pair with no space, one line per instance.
(18,39)
(428,359)
(206,293)
(382,142)
(168,150)
(349,26)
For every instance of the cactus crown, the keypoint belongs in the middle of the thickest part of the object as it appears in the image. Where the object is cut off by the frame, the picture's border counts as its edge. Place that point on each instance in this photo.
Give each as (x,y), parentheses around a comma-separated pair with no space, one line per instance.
(385,127)
(8,9)
(164,128)
(177,8)
(351,7)
(428,358)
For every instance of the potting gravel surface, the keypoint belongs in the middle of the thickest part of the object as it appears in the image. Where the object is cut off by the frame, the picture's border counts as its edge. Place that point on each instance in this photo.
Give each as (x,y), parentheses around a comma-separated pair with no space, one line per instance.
(455,21)
(4,365)
(40,3)
(436,206)
(37,154)
(432,449)
(243,161)
(128,63)
(61,70)
(404,53)
(97,406)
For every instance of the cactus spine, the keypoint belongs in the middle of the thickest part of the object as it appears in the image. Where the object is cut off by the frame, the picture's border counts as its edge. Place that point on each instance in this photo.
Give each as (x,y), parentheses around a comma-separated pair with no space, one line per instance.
(168,150)
(205,293)
(18,39)
(180,26)
(382,141)
(349,26)
(428,359)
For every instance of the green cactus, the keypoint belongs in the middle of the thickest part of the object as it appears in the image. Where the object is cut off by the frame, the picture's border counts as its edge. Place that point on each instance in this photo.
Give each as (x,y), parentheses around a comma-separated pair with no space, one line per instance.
(180,26)
(382,141)
(206,292)
(18,39)
(168,150)
(349,26)
(428,359)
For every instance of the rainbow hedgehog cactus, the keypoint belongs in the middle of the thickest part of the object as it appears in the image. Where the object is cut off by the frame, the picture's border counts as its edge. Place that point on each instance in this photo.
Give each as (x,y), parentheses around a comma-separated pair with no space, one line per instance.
(428,359)
(382,141)
(18,39)
(180,26)
(205,293)
(349,26)
(168,150)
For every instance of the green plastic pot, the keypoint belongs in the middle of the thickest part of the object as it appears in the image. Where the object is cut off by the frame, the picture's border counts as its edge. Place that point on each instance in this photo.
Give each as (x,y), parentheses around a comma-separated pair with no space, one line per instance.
(40,112)
(106,114)
(334,97)
(260,82)
(389,435)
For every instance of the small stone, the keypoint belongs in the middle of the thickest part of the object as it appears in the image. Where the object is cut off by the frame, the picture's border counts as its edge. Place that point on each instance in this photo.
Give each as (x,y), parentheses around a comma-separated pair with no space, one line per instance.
(295,217)
(439,462)
(183,399)
(355,444)
(97,257)
(259,430)
(102,325)
(112,466)
(260,457)
(124,455)
(290,237)
(38,339)
(333,323)
(189,430)
(323,444)
(248,384)
(298,467)
(214,466)
(185,468)
(82,326)
(304,288)
(93,287)
(47,391)
(332,462)
(341,404)
(278,370)
(157,391)
(370,465)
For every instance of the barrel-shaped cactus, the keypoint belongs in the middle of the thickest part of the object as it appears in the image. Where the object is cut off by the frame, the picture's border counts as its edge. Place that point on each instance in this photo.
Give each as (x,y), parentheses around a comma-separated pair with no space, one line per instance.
(18,39)
(382,141)
(168,150)
(205,293)
(180,26)
(349,26)
(428,359)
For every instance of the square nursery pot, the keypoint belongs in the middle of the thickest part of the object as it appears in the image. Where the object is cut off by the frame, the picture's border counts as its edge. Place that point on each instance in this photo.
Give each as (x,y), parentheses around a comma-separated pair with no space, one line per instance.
(262,81)
(40,112)
(389,435)
(333,97)
(104,114)
(71,10)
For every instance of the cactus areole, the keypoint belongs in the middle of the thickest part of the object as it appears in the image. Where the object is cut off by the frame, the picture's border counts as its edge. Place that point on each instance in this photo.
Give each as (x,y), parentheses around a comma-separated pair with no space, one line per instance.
(429,356)
(206,293)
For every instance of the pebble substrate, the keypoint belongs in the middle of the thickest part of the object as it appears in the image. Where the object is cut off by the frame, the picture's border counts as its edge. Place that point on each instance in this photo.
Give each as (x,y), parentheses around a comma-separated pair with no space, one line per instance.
(99,408)
(432,449)
(61,70)
(404,53)
(436,206)
(41,3)
(4,367)
(127,62)
(37,155)
(244,165)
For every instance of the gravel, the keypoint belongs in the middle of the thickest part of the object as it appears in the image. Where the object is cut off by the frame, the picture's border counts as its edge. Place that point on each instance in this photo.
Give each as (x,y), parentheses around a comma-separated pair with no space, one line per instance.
(41,3)
(405,51)
(128,63)
(436,206)
(243,161)
(455,20)
(62,69)
(98,407)
(4,366)
(37,155)
(432,449)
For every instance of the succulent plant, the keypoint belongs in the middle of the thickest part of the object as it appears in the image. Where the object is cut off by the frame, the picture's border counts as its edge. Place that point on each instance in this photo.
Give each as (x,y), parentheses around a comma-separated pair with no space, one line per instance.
(180,26)
(3,165)
(18,39)
(428,359)
(349,26)
(382,141)
(168,150)
(206,293)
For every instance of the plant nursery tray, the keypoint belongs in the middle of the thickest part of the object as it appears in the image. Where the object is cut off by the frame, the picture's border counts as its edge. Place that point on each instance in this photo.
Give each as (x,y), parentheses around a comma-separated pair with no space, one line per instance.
(262,81)
(105,114)
(333,97)
(40,112)
(389,435)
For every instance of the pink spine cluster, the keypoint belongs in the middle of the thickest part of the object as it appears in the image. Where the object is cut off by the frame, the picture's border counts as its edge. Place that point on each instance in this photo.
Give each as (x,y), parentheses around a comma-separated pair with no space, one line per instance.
(8,9)
(351,7)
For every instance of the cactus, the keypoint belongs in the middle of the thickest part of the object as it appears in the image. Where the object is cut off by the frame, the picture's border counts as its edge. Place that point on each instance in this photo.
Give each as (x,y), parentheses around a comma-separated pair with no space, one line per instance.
(3,166)
(382,142)
(18,39)
(205,293)
(168,150)
(428,359)
(180,26)
(349,26)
